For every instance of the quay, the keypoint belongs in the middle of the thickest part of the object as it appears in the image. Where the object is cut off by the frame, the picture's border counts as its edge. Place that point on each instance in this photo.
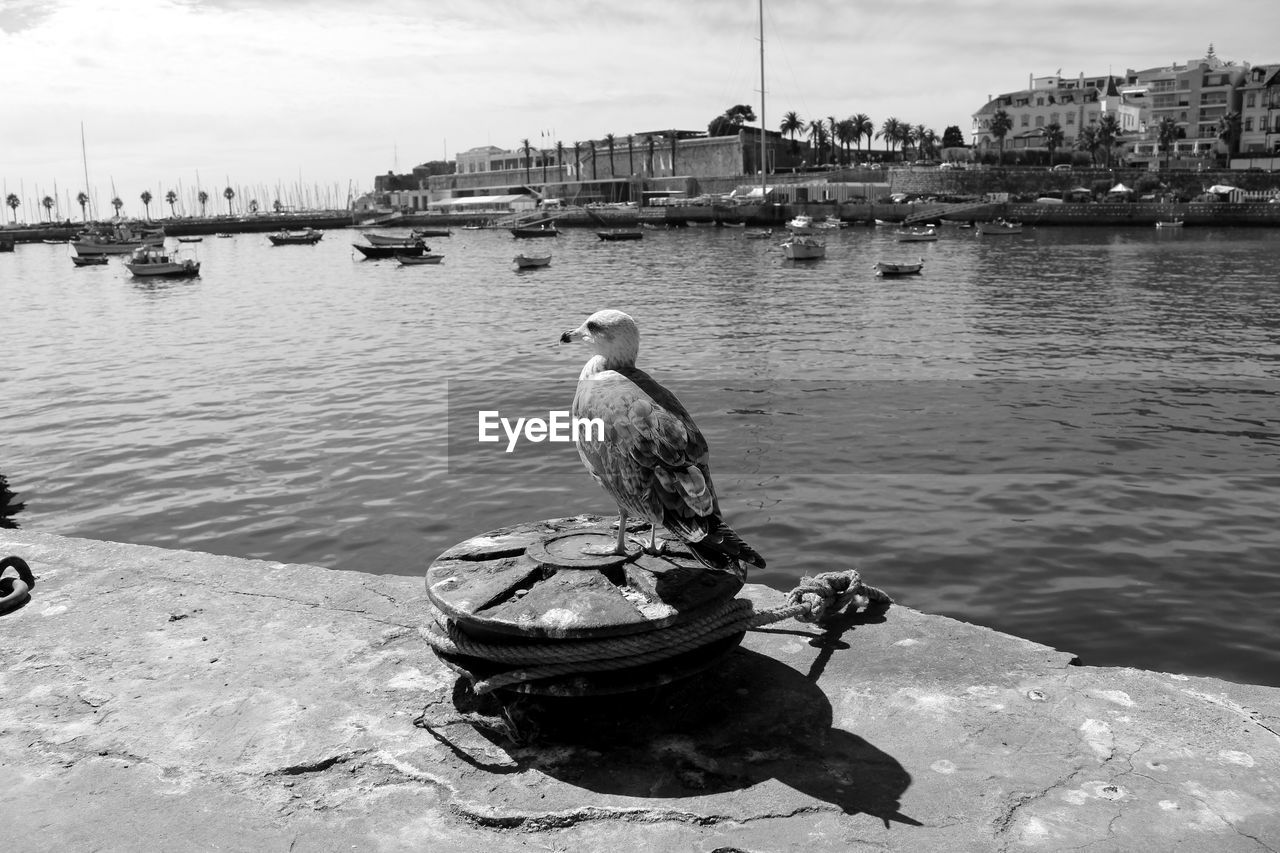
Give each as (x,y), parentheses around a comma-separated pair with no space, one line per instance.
(170,700)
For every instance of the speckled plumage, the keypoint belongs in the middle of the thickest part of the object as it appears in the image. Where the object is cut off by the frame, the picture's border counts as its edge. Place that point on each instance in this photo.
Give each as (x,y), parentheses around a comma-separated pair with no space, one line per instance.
(653,460)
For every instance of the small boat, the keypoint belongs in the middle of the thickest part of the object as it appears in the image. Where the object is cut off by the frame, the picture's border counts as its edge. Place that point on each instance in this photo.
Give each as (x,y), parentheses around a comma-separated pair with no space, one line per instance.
(7,245)
(525,262)
(472,227)
(887,269)
(52,242)
(801,224)
(418,260)
(155,261)
(379,252)
(222,234)
(1169,223)
(88,260)
(832,222)
(190,239)
(621,234)
(309,237)
(117,240)
(999,227)
(758,234)
(403,240)
(728,224)
(884,222)
(802,247)
(917,235)
(543,230)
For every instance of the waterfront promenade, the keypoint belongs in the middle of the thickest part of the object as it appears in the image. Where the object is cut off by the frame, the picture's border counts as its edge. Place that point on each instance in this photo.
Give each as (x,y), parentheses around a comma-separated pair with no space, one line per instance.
(173,700)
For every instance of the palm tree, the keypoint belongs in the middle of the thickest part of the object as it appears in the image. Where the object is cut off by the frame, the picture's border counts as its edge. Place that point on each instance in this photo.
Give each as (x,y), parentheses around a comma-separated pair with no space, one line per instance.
(203,198)
(82,198)
(117,204)
(649,143)
(560,157)
(546,156)
(631,163)
(171,198)
(1053,136)
(1168,133)
(844,134)
(47,204)
(1001,124)
(228,194)
(146,202)
(791,125)
(831,135)
(1108,133)
(253,205)
(610,139)
(863,126)
(925,139)
(674,139)
(277,205)
(577,161)
(13,201)
(1087,140)
(591,143)
(817,138)
(891,133)
(526,148)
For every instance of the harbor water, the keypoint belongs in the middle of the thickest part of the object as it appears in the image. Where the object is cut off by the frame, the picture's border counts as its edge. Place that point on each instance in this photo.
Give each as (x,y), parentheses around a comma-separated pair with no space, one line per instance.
(1072,435)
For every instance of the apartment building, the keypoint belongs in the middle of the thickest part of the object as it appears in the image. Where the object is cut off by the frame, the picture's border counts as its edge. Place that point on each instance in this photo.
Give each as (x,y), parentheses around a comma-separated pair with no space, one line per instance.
(1260,111)
(1197,95)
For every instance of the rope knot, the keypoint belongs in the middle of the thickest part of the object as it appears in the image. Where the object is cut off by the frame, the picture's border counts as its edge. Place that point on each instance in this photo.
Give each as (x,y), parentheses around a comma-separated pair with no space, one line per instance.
(828,593)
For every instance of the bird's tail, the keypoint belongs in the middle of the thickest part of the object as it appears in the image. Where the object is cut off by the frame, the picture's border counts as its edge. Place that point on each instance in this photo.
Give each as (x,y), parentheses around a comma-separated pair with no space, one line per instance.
(722,548)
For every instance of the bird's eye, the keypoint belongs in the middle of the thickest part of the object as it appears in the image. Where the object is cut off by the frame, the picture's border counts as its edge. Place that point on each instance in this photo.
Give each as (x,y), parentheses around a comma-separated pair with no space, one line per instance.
(593,326)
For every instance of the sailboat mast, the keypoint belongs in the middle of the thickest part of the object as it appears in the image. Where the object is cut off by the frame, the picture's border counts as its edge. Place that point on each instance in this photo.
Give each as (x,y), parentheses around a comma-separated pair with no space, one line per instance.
(764,171)
(85,158)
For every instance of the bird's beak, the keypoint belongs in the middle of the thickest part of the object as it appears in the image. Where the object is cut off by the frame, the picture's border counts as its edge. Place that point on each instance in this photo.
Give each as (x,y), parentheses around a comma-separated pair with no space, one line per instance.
(571,335)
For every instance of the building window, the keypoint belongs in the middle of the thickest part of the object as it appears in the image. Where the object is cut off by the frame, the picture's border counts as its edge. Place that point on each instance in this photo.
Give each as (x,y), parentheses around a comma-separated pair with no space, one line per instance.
(1251,100)
(1071,118)
(1039,121)
(1026,120)
(1248,123)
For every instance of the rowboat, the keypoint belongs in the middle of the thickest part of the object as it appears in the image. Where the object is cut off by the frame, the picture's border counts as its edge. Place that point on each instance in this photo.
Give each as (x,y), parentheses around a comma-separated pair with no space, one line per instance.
(404,239)
(525,262)
(88,260)
(150,261)
(190,239)
(758,234)
(418,260)
(379,252)
(802,247)
(1000,227)
(308,237)
(535,231)
(918,235)
(1169,223)
(620,234)
(887,269)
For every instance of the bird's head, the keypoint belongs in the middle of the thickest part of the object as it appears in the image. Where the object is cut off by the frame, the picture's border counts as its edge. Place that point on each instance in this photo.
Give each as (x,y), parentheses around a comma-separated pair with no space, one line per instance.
(611,334)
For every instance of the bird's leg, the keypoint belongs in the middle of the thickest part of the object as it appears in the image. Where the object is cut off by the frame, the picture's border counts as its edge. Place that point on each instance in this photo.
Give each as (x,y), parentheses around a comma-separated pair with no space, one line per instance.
(654,548)
(619,547)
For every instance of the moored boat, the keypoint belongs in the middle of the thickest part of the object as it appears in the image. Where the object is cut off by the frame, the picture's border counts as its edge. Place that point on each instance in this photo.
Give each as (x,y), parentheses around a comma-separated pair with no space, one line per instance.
(88,260)
(398,250)
(116,240)
(527,231)
(403,239)
(1169,223)
(885,268)
(308,237)
(999,227)
(758,234)
(190,239)
(531,261)
(801,224)
(917,235)
(621,234)
(802,247)
(150,261)
(418,260)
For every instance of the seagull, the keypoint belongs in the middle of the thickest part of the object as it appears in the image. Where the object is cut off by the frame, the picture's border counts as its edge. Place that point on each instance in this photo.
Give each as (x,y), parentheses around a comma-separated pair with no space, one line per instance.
(653,460)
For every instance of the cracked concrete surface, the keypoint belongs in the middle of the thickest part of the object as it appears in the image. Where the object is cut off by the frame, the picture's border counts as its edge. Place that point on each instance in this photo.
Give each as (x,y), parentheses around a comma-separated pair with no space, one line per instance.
(168,700)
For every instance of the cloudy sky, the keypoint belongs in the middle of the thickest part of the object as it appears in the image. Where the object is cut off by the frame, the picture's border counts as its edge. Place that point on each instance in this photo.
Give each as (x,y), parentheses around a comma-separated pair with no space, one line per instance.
(328,93)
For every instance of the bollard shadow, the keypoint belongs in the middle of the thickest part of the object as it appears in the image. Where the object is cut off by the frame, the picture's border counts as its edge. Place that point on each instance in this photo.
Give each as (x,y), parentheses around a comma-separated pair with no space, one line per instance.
(746,721)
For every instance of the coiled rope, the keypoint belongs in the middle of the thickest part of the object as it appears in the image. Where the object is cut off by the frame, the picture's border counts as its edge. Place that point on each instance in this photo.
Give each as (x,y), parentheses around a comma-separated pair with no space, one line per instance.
(815,600)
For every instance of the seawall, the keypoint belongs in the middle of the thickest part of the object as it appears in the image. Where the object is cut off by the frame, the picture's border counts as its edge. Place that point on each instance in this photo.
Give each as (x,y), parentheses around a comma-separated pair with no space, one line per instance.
(170,700)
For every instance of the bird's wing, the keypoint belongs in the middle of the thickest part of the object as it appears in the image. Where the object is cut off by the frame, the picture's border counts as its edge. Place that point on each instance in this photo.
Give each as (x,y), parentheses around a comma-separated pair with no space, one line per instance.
(652,460)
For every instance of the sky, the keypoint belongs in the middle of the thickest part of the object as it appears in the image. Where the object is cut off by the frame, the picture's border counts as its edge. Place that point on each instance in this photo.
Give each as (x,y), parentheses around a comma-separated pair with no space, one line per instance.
(294,97)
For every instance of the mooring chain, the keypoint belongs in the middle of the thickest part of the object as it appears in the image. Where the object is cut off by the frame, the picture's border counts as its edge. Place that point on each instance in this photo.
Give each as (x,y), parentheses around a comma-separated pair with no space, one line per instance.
(816,599)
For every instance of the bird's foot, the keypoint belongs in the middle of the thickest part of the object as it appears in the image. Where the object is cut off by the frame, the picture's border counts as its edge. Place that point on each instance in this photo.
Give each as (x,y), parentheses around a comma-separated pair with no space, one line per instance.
(654,548)
(612,551)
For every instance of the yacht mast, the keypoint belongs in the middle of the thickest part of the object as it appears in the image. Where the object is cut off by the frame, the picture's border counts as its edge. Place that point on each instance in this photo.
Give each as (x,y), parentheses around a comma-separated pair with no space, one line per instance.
(764,190)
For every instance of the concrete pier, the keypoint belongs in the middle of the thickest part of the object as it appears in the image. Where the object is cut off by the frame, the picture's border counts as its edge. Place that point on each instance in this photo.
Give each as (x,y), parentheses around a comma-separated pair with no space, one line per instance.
(168,700)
